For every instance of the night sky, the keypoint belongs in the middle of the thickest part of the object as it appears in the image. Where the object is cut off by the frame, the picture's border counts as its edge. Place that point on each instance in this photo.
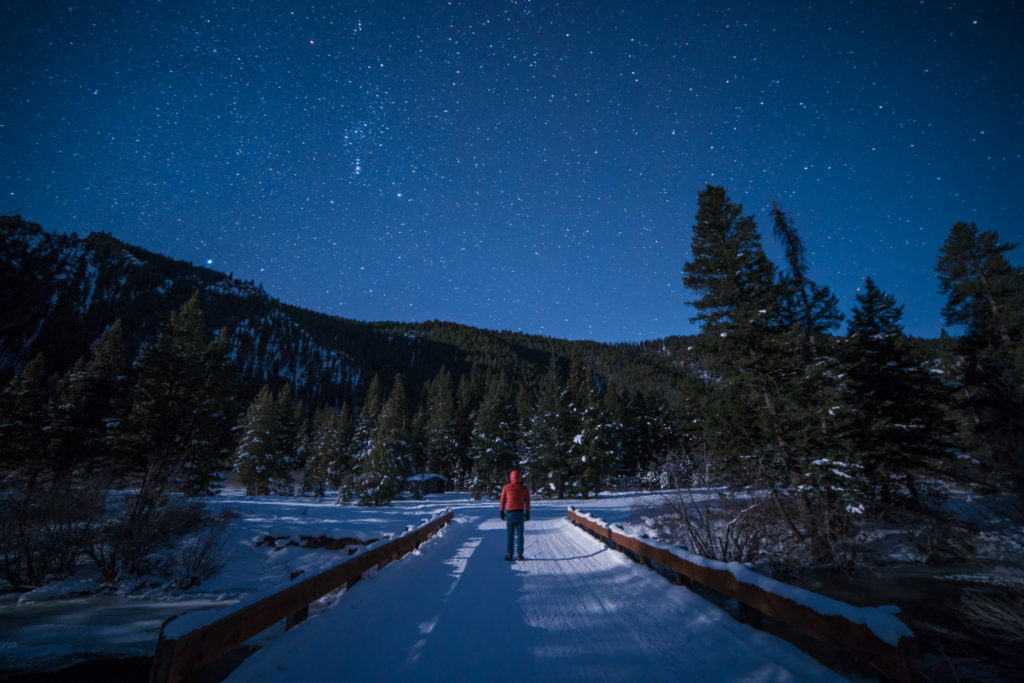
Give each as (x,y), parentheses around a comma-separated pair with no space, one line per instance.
(517,165)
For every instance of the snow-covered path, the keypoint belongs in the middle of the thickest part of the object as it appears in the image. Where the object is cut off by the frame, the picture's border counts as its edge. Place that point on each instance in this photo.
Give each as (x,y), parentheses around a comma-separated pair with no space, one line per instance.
(574,610)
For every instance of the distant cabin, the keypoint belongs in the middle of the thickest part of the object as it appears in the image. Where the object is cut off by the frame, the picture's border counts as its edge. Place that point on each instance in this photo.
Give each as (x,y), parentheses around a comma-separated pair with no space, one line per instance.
(423,484)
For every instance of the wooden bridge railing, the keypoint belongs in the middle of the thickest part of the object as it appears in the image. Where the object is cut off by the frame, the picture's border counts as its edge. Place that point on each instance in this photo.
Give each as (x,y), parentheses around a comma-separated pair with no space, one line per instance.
(874,635)
(191,641)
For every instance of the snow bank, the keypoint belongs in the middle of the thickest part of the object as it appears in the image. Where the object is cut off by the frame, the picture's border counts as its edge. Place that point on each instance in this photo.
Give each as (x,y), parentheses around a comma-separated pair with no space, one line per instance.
(882,621)
(62,589)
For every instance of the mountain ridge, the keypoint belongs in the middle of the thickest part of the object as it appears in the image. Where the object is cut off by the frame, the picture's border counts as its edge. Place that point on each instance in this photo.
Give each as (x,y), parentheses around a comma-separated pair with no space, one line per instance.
(60,291)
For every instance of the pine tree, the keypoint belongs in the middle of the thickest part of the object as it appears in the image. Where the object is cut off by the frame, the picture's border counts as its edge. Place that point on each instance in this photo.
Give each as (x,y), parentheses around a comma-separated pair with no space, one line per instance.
(468,396)
(768,393)
(26,469)
(261,463)
(322,439)
(730,273)
(740,344)
(23,416)
(89,401)
(177,432)
(546,442)
(593,453)
(328,459)
(286,426)
(303,438)
(897,426)
(324,444)
(985,294)
(814,309)
(366,422)
(340,462)
(524,409)
(382,472)
(418,431)
(440,430)
(493,444)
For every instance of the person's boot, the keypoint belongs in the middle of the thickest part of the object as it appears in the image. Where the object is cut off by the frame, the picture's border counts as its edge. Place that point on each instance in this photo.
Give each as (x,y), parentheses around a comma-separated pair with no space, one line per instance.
(521,556)
(508,558)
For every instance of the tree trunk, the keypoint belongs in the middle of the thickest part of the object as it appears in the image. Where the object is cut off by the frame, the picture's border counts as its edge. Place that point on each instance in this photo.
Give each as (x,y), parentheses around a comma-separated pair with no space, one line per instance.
(1004,334)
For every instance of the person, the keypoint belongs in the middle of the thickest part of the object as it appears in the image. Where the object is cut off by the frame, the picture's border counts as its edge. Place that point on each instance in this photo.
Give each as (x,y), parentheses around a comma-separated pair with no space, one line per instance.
(514,510)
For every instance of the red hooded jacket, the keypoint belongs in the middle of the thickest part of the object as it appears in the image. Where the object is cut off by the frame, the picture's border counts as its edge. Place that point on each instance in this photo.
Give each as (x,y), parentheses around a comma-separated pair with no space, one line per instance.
(515,495)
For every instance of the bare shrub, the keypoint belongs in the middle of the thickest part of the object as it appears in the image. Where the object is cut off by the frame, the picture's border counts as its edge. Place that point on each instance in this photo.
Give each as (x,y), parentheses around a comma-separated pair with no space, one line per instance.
(43,530)
(1002,620)
(724,525)
(200,557)
(138,525)
(66,526)
(715,522)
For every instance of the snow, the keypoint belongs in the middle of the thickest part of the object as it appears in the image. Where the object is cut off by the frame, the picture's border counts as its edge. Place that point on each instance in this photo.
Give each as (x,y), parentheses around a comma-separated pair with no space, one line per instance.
(62,589)
(453,609)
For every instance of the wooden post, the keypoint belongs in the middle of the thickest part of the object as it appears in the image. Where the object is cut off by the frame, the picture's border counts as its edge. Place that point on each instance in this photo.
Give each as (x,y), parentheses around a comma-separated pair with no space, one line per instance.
(296,618)
(749,615)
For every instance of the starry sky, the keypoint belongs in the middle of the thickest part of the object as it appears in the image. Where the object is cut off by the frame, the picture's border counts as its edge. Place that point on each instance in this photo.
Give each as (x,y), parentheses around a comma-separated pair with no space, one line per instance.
(520,165)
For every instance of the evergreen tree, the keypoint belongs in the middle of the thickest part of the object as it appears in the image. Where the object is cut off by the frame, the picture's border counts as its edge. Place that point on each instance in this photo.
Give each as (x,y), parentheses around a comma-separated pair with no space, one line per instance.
(730,273)
(985,294)
(365,431)
(327,461)
(767,395)
(468,396)
(616,403)
(646,431)
(809,397)
(262,465)
(303,438)
(814,309)
(316,472)
(381,473)
(897,426)
(493,445)
(524,409)
(440,431)
(547,439)
(286,426)
(340,463)
(177,432)
(290,419)
(23,420)
(594,450)
(90,398)
(418,431)
(740,345)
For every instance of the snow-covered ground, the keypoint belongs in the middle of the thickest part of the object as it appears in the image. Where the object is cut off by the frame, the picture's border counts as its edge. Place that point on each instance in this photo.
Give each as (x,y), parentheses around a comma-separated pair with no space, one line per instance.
(574,610)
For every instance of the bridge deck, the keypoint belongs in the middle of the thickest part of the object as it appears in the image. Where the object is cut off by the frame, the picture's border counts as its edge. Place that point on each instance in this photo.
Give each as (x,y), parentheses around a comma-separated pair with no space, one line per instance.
(574,610)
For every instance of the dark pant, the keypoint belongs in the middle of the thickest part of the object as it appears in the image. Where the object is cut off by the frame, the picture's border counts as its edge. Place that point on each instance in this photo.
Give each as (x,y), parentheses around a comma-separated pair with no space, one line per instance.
(514,522)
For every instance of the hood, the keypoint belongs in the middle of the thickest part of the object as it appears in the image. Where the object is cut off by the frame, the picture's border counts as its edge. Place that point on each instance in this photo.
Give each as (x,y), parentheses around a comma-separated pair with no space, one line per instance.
(515,477)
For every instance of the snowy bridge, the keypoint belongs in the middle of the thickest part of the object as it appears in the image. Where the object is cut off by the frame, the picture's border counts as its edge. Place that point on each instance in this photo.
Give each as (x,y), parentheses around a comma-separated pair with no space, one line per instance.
(573,610)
